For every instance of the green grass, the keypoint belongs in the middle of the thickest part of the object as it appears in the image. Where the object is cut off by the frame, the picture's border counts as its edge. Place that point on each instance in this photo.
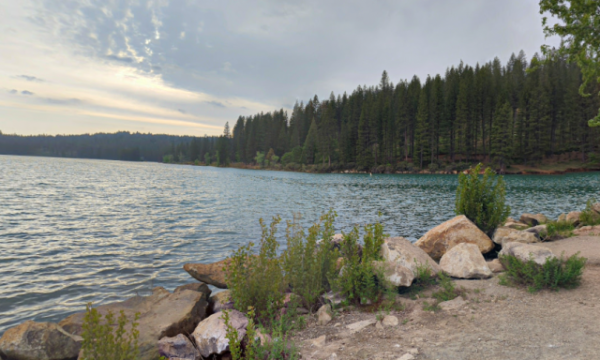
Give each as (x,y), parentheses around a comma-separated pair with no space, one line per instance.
(556,273)
(588,216)
(558,230)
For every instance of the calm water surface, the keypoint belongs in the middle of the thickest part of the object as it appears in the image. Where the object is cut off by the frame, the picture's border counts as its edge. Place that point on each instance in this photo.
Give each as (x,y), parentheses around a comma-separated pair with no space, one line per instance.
(74,231)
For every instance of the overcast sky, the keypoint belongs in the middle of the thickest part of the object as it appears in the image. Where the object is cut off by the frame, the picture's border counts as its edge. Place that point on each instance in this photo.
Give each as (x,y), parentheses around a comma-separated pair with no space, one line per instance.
(187,67)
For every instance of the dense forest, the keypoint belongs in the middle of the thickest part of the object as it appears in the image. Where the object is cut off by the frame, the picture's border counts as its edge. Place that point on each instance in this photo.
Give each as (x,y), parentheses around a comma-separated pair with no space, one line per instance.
(519,113)
(117,146)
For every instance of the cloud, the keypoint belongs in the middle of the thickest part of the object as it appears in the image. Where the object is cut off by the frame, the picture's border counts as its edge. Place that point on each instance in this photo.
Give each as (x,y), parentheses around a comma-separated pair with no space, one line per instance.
(29,78)
(182,111)
(13,91)
(216,103)
(26,92)
(227,67)
(125,59)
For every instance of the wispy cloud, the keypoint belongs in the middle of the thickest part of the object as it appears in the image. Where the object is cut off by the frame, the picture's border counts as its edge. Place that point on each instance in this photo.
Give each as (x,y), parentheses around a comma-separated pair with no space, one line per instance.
(26,92)
(29,78)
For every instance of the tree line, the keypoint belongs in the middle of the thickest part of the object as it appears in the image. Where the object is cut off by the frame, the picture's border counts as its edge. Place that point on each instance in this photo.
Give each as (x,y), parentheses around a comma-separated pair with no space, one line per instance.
(517,113)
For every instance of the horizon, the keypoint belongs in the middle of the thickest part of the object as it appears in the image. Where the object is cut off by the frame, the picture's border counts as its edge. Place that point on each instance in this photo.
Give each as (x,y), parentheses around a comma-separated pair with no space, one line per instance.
(189,69)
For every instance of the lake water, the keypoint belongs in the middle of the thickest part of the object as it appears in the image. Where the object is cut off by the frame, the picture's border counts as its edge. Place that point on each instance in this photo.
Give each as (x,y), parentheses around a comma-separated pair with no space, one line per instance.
(74,231)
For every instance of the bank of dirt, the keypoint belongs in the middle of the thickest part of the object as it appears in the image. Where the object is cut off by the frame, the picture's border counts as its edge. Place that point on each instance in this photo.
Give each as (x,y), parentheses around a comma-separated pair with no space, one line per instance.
(497,322)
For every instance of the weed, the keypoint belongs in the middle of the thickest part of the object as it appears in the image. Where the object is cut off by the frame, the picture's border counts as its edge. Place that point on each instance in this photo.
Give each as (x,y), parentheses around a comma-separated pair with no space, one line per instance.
(556,273)
(448,291)
(588,216)
(434,307)
(482,200)
(102,341)
(558,230)
(405,321)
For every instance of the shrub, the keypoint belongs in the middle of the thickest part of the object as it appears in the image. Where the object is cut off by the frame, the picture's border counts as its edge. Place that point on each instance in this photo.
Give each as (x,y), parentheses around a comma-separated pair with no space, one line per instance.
(257,279)
(448,291)
(558,230)
(482,200)
(588,216)
(308,265)
(102,341)
(357,280)
(556,273)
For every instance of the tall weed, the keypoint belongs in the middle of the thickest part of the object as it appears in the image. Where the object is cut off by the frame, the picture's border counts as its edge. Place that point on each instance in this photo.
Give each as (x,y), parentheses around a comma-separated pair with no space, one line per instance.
(588,216)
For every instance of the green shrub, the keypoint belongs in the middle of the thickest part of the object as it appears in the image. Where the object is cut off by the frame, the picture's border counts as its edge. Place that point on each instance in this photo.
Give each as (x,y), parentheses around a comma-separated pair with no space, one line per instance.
(308,266)
(556,273)
(482,199)
(557,230)
(257,279)
(101,340)
(448,291)
(358,279)
(588,216)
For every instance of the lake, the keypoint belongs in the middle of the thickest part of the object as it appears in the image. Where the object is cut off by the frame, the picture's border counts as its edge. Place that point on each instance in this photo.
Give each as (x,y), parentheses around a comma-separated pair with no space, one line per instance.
(74,231)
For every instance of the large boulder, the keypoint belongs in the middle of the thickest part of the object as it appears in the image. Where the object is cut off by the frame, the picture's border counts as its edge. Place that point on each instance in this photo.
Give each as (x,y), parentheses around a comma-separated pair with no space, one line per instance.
(213,274)
(162,314)
(39,341)
(402,252)
(573,217)
(178,347)
(504,235)
(525,252)
(465,261)
(533,219)
(211,334)
(437,241)
(395,274)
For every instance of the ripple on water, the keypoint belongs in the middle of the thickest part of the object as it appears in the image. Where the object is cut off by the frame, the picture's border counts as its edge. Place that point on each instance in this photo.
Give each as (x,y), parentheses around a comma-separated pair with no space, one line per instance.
(74,231)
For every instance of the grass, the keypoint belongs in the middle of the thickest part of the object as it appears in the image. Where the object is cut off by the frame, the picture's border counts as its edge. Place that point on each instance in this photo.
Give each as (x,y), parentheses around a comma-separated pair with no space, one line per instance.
(556,230)
(556,273)
(588,216)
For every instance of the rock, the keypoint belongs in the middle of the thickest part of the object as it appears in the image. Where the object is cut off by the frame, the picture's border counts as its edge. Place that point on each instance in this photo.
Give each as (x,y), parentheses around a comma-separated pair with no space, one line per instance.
(359,325)
(587,231)
(451,305)
(199,287)
(586,246)
(533,219)
(524,252)
(539,230)
(509,220)
(336,240)
(211,334)
(333,298)
(395,274)
(466,262)
(39,341)
(379,325)
(220,301)
(451,233)
(573,217)
(212,274)
(504,235)
(333,357)
(596,208)
(179,347)
(562,217)
(516,225)
(406,356)
(402,252)
(318,342)
(162,314)
(496,266)
(324,315)
(389,320)
(339,263)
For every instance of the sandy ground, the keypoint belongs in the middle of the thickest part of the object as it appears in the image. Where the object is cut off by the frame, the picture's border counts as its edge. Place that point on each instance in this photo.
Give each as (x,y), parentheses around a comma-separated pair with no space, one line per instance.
(497,322)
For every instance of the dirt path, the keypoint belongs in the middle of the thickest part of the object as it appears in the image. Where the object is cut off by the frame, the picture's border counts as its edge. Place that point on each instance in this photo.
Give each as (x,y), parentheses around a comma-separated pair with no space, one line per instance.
(497,322)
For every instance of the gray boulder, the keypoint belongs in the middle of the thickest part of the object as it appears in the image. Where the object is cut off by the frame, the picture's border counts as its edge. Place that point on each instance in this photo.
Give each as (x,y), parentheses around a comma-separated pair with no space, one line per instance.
(178,347)
(533,219)
(504,235)
(162,314)
(211,334)
(465,261)
(401,251)
(39,341)
(395,274)
(524,252)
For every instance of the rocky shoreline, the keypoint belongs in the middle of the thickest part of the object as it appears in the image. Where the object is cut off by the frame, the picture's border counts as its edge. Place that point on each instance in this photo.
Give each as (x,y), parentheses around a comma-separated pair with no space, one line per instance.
(187,324)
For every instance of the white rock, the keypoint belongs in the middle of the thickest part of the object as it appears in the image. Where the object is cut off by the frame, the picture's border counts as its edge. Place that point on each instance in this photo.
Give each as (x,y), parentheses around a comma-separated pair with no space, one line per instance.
(359,325)
(402,252)
(324,315)
(524,252)
(466,262)
(211,334)
(454,304)
(406,356)
(504,235)
(390,320)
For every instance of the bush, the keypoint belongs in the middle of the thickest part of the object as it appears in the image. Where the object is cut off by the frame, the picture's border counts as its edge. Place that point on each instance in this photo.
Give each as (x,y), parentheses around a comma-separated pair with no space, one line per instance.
(482,200)
(558,230)
(358,280)
(255,280)
(103,341)
(308,265)
(588,216)
(556,273)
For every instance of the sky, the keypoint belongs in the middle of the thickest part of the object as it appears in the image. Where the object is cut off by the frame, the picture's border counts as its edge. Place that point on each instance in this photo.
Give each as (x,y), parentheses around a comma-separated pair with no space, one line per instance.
(187,67)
